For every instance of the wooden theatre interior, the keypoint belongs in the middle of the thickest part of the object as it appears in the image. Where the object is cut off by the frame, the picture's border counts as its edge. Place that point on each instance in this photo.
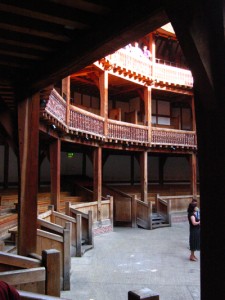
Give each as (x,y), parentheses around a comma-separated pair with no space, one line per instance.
(94,135)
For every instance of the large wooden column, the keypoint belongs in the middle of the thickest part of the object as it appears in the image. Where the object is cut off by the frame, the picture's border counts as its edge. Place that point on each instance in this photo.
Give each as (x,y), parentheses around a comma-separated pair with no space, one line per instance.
(144,175)
(193,167)
(97,178)
(28,133)
(103,88)
(148,109)
(200,29)
(55,163)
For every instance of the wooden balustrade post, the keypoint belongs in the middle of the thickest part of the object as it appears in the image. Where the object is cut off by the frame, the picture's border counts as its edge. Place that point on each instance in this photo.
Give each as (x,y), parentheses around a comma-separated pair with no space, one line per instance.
(148,110)
(51,261)
(103,87)
(55,161)
(144,175)
(134,211)
(66,96)
(78,235)
(97,169)
(90,233)
(67,256)
(150,214)
(67,208)
(111,209)
(169,216)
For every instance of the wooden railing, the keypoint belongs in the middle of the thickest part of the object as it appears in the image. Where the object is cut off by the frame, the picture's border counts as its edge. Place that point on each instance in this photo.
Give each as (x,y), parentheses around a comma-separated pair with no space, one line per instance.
(91,124)
(173,137)
(125,131)
(128,63)
(56,107)
(84,121)
(125,60)
(172,74)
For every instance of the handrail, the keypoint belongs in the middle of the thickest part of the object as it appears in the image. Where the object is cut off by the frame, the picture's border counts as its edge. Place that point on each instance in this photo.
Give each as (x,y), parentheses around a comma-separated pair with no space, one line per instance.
(173,137)
(127,62)
(127,131)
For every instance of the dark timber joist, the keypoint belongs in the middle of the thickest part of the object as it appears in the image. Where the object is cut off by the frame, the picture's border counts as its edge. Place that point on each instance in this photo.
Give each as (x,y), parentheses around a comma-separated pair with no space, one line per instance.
(199,26)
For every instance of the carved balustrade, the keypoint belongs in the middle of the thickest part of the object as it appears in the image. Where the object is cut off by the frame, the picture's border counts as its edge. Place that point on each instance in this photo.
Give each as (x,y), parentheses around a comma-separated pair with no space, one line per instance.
(126,131)
(125,60)
(172,74)
(56,107)
(173,137)
(84,121)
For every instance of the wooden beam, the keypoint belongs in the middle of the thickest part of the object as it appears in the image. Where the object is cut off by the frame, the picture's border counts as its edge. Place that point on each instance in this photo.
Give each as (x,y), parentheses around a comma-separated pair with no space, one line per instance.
(28,132)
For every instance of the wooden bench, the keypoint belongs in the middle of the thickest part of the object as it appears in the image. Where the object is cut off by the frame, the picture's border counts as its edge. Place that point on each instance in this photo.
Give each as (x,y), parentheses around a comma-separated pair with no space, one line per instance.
(30,274)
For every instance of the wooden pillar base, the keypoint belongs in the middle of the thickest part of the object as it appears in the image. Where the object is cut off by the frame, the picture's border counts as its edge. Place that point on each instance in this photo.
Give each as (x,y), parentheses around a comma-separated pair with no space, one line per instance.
(143,294)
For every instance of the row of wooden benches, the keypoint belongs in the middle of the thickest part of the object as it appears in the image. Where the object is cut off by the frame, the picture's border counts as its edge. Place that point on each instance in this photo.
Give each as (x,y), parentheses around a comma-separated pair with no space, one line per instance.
(64,233)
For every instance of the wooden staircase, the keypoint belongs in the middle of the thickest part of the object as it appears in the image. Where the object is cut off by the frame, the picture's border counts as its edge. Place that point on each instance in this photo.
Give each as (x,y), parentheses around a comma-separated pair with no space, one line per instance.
(159,221)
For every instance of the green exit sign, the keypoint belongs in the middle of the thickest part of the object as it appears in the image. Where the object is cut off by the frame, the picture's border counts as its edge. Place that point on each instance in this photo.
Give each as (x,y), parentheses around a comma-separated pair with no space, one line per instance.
(70,154)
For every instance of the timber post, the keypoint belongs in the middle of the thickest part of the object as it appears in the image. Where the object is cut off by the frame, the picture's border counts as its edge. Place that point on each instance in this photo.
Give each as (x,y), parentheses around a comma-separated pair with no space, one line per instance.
(28,135)
(51,261)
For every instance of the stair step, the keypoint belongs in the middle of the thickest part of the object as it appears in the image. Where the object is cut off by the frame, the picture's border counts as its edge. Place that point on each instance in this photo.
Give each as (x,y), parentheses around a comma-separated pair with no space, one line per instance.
(85,248)
(154,226)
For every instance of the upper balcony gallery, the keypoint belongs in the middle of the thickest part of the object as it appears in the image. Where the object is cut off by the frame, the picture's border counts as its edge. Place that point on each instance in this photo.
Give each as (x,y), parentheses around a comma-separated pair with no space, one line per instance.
(128,97)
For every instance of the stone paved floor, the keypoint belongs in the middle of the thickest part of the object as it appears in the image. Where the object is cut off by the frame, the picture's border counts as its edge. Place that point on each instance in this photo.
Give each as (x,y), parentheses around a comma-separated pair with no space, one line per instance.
(129,259)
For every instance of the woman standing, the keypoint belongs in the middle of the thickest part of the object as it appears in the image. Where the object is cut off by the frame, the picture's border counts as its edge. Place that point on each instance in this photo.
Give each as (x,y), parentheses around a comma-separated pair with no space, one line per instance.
(194,238)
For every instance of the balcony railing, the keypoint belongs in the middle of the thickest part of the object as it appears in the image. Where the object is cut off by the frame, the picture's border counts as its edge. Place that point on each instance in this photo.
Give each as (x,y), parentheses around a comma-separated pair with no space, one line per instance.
(127,132)
(81,121)
(126,62)
(56,107)
(172,137)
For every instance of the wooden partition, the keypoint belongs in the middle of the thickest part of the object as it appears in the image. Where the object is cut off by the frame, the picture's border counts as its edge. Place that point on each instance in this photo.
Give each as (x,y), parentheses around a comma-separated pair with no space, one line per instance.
(61,219)
(124,207)
(30,274)
(55,236)
(144,214)
(84,222)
